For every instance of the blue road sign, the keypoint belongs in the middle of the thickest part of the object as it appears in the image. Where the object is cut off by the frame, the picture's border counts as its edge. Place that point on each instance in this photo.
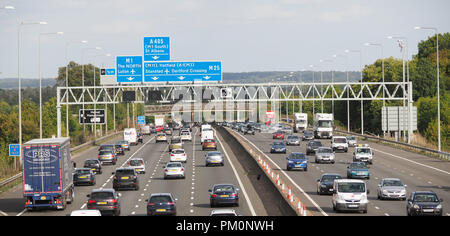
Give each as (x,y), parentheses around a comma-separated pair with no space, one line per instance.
(129,69)
(156,48)
(14,150)
(182,71)
(110,71)
(141,120)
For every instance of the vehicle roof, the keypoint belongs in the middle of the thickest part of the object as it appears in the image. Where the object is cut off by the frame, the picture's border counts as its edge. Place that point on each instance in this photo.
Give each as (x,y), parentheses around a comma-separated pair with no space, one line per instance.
(125,168)
(222,211)
(421,192)
(223,184)
(136,158)
(98,190)
(330,174)
(349,181)
(85,213)
(160,194)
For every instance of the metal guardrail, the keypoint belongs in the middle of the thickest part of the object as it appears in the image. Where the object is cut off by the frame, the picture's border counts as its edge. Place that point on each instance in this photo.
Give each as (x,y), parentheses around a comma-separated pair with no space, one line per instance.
(444,155)
(17,176)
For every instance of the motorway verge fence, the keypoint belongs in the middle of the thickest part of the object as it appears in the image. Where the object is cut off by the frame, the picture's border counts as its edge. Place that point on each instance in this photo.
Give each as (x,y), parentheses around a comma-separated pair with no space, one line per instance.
(442,155)
(74,149)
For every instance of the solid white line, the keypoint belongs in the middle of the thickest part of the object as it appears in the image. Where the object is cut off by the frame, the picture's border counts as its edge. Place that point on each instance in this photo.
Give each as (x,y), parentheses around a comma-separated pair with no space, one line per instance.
(3,213)
(237,176)
(287,176)
(22,212)
(417,163)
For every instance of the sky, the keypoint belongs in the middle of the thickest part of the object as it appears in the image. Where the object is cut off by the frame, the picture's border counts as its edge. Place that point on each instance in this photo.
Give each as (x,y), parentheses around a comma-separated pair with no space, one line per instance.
(246,35)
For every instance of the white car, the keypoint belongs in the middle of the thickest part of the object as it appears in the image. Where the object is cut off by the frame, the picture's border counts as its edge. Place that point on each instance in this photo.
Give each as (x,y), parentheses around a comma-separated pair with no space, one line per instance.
(223,212)
(138,164)
(351,140)
(178,155)
(86,213)
(186,136)
(174,169)
(363,153)
(339,143)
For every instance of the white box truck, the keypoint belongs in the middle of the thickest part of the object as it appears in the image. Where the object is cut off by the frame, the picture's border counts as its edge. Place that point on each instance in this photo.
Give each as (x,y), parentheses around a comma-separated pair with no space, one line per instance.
(159,120)
(300,122)
(130,135)
(323,125)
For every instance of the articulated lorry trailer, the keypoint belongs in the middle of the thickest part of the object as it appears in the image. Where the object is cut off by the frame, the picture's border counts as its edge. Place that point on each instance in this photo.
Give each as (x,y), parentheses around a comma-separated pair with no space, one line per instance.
(300,122)
(323,125)
(47,173)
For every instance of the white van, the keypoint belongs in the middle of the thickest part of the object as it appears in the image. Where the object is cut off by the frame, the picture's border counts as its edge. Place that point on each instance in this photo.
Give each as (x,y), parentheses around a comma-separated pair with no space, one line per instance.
(130,135)
(339,143)
(206,134)
(350,195)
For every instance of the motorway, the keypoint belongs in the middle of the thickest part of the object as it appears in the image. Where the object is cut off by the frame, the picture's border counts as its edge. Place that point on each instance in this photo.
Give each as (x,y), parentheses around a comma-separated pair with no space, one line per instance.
(191,192)
(418,172)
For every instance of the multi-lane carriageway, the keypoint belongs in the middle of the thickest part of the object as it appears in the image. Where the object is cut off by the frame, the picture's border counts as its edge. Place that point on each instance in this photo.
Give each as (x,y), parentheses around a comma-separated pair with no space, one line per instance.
(418,172)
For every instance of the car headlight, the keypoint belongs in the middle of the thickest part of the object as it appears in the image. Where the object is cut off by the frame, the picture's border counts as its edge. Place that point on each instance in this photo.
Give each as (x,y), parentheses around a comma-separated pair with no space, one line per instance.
(290,162)
(304,162)
(439,206)
(416,206)
(385,191)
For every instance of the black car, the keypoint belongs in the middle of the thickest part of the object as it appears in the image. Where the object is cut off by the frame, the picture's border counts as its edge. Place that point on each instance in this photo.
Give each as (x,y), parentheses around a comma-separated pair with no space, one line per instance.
(224,194)
(312,146)
(307,135)
(104,200)
(424,203)
(249,130)
(161,204)
(83,176)
(325,183)
(94,164)
(107,147)
(120,150)
(140,137)
(125,177)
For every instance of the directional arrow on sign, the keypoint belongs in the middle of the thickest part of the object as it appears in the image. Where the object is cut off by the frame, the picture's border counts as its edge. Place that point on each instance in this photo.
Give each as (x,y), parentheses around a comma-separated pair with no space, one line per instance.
(206,77)
(155,78)
(155,57)
(130,78)
(181,78)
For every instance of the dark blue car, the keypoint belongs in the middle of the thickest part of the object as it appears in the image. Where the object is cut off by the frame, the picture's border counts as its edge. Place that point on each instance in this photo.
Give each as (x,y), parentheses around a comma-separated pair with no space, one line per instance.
(297,160)
(278,147)
(358,170)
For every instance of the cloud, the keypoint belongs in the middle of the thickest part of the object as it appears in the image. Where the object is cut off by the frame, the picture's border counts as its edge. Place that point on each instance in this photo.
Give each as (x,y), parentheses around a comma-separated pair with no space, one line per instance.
(354,12)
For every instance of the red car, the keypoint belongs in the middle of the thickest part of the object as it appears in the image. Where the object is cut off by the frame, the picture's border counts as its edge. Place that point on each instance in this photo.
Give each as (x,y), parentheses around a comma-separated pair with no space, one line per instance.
(278,135)
(209,144)
(159,128)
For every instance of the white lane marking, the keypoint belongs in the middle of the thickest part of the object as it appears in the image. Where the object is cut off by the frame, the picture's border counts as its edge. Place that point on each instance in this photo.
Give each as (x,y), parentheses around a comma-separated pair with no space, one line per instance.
(417,163)
(287,176)
(237,176)
(3,213)
(21,213)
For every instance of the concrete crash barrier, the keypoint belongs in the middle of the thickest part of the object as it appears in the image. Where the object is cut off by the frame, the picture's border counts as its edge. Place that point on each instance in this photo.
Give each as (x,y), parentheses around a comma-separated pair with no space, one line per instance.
(273,175)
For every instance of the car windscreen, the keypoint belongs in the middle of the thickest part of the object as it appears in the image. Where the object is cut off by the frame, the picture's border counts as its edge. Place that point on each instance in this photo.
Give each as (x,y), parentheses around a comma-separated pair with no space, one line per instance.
(91,162)
(340,140)
(278,144)
(359,165)
(316,143)
(297,156)
(351,138)
(330,178)
(325,150)
(224,188)
(293,137)
(125,172)
(425,197)
(351,187)
(102,195)
(160,199)
(363,151)
(392,183)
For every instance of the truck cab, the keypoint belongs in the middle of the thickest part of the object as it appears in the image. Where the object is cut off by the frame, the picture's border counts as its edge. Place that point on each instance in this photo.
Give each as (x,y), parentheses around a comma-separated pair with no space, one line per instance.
(300,122)
(323,125)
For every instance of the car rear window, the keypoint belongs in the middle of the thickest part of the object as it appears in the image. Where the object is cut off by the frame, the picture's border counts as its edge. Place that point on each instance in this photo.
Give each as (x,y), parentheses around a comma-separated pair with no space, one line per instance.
(125,172)
(178,151)
(160,199)
(136,162)
(297,155)
(224,188)
(90,162)
(105,153)
(83,172)
(102,195)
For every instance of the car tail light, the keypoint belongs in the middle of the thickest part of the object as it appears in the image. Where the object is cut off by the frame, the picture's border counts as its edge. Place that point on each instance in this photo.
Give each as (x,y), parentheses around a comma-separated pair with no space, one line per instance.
(112,201)
(214,195)
(91,201)
(170,203)
(182,169)
(234,195)
(184,154)
(151,204)
(172,155)
(165,170)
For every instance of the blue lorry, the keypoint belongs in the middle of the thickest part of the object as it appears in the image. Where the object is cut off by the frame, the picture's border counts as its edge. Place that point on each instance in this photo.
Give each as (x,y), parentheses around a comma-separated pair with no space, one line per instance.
(47,173)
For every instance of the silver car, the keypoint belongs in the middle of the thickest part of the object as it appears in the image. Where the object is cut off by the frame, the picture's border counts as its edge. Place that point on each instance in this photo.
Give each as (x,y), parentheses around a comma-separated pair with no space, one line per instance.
(174,169)
(293,140)
(214,158)
(324,154)
(391,188)
(351,140)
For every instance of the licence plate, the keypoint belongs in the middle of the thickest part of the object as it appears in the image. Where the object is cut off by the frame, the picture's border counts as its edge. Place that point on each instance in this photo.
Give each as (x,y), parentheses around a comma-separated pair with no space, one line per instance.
(101,203)
(428,210)
(83,177)
(43,198)
(93,169)
(224,195)
(352,206)
(214,161)
(173,170)
(360,173)
(125,177)
(161,210)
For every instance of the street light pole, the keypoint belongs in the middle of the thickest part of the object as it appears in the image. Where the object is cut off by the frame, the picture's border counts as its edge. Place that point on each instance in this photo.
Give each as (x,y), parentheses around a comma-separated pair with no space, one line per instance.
(40,81)
(362,104)
(348,95)
(437,72)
